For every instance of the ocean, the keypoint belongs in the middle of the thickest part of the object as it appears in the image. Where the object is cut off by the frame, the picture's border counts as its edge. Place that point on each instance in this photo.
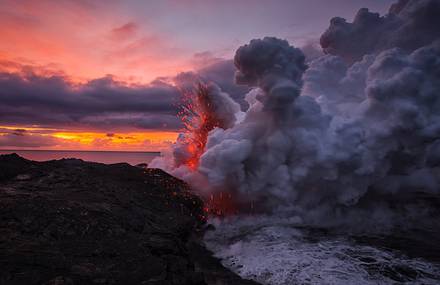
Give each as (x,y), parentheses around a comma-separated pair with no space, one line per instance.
(280,251)
(107,157)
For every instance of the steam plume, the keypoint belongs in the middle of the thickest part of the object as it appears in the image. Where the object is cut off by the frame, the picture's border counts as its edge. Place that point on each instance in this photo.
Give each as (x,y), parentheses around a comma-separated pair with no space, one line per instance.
(345,139)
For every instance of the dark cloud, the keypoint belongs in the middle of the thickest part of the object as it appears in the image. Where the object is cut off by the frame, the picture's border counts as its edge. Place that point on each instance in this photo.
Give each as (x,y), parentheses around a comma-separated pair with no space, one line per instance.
(30,97)
(19,132)
(22,139)
(272,65)
(267,56)
(410,24)
(53,101)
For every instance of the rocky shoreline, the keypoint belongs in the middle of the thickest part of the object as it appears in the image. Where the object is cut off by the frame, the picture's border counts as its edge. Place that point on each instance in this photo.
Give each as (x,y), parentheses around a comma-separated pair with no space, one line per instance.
(74,222)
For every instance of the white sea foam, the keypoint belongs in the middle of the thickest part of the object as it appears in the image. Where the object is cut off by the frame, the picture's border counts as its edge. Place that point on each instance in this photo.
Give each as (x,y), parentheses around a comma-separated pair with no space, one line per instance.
(273,250)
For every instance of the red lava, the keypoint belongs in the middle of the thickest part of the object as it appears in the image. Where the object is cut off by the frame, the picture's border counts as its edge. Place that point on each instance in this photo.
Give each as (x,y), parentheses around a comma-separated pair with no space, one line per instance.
(199,118)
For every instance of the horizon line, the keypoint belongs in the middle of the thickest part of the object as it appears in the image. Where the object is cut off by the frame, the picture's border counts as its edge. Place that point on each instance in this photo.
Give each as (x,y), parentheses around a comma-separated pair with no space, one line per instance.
(71,150)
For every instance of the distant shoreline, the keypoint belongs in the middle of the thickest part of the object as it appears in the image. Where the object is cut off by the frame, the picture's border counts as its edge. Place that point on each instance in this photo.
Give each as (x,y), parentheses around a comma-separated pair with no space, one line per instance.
(101,156)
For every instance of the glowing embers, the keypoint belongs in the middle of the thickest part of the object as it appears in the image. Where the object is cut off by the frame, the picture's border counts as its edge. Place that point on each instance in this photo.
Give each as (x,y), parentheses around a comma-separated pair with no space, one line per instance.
(199,117)
(221,204)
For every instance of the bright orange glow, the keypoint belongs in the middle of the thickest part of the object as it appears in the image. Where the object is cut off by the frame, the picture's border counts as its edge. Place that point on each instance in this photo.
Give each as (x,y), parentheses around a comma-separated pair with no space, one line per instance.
(133,138)
(88,140)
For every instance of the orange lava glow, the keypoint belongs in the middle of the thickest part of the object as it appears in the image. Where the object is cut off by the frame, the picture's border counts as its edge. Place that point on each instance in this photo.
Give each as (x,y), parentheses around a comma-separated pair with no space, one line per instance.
(199,118)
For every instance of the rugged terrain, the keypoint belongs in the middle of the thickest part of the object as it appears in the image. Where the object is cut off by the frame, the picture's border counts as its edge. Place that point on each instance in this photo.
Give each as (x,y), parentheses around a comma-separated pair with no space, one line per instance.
(75,222)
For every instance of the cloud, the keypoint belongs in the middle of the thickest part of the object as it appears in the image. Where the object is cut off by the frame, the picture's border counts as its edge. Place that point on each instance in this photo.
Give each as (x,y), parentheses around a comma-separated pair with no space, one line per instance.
(19,132)
(218,70)
(262,57)
(32,99)
(21,139)
(312,50)
(89,40)
(124,32)
(222,72)
(409,24)
(38,95)
(204,59)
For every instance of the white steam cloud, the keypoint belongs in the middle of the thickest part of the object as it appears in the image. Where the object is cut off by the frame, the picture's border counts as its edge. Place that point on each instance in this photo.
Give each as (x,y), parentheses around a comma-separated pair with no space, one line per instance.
(351,137)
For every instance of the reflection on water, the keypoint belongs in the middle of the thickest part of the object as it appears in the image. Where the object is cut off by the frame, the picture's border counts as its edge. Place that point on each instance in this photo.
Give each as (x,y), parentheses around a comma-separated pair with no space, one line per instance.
(107,157)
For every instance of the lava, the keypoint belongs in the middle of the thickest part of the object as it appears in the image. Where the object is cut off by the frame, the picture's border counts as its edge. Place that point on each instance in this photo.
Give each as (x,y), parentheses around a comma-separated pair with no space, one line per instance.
(199,118)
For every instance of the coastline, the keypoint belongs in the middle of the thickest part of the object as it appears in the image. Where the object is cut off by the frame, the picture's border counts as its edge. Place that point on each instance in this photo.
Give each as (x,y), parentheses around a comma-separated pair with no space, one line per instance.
(74,222)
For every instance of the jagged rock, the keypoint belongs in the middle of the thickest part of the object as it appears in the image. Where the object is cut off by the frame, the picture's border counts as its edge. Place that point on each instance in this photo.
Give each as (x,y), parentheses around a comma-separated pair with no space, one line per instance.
(75,222)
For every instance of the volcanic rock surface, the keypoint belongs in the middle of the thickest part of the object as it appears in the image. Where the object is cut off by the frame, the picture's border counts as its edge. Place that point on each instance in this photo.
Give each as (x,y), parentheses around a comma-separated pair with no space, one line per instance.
(75,222)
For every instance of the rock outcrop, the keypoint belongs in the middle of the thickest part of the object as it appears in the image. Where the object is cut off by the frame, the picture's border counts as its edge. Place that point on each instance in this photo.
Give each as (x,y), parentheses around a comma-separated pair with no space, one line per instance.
(75,222)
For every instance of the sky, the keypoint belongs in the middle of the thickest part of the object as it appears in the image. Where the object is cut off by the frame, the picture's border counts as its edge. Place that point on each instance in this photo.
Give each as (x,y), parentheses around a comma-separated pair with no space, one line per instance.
(103,75)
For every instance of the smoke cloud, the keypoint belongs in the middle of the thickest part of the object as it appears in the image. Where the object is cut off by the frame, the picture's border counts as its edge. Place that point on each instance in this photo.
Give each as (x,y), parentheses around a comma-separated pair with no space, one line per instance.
(352,138)
(408,25)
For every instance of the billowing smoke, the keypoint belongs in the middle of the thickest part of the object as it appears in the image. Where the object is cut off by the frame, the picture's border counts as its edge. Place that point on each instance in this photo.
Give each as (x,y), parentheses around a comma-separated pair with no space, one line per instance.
(408,25)
(351,138)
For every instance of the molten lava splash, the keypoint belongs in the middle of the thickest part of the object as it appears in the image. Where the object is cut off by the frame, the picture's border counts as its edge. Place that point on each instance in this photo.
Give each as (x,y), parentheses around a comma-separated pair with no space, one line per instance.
(199,118)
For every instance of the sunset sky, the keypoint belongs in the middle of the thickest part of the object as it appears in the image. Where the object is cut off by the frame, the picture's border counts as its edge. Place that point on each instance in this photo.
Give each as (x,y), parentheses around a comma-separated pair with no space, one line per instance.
(103,75)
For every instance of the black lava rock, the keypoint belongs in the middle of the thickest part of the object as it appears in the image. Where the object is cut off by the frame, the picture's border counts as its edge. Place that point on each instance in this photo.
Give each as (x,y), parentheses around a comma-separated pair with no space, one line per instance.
(74,222)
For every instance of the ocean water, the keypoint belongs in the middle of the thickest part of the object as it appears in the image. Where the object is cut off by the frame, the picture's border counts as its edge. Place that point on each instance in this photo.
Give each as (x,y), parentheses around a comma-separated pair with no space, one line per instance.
(279,251)
(107,157)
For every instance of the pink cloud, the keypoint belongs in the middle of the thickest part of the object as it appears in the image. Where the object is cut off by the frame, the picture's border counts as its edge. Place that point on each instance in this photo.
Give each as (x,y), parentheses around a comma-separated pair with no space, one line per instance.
(87,41)
(124,32)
